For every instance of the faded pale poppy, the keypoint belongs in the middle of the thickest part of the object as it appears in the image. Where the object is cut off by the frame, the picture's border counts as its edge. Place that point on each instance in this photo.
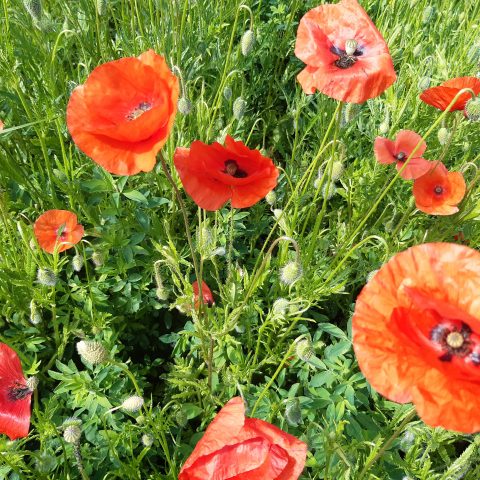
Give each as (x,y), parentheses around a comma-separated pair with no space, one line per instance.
(416,333)
(15,395)
(389,151)
(207,294)
(122,115)
(439,191)
(57,229)
(441,96)
(346,56)
(214,174)
(238,448)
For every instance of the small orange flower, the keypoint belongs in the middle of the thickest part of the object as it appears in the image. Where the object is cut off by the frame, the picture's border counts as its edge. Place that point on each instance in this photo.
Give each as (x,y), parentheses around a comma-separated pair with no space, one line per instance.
(389,151)
(57,229)
(439,191)
(416,333)
(207,294)
(441,96)
(122,115)
(346,56)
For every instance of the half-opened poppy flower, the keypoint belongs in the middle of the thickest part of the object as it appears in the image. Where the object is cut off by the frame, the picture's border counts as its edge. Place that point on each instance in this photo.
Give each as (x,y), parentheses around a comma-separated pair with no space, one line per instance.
(57,229)
(214,174)
(207,294)
(122,115)
(416,333)
(441,96)
(439,191)
(346,56)
(15,395)
(389,151)
(239,448)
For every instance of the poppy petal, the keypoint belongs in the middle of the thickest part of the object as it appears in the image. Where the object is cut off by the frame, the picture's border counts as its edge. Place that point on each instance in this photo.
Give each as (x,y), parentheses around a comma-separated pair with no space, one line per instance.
(407,140)
(415,168)
(440,97)
(384,150)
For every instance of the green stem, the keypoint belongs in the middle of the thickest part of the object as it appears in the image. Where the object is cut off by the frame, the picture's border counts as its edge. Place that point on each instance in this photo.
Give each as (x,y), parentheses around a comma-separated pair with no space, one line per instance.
(402,221)
(129,375)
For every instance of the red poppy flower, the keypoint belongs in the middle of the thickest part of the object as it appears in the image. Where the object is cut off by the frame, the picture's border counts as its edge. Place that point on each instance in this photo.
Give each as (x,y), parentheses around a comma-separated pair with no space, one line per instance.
(239,448)
(389,151)
(439,191)
(214,174)
(206,294)
(441,96)
(57,229)
(346,56)
(122,115)
(416,333)
(15,395)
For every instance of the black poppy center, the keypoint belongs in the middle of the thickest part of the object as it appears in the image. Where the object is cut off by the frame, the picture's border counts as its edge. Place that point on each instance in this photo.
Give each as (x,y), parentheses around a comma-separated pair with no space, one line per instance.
(19,392)
(400,156)
(139,110)
(455,341)
(345,60)
(232,169)
(438,190)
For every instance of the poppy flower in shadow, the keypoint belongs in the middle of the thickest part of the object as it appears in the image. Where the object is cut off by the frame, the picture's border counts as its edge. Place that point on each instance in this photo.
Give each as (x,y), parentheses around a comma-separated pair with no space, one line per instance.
(346,56)
(15,395)
(57,229)
(439,191)
(416,333)
(440,97)
(207,294)
(235,447)
(214,174)
(389,151)
(122,115)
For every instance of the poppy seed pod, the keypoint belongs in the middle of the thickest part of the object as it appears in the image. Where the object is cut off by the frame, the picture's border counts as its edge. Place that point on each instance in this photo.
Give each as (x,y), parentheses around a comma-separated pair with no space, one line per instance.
(443,135)
(472,109)
(184,106)
(248,42)
(35,317)
(132,404)
(92,352)
(34,8)
(291,272)
(239,107)
(72,434)
(77,262)
(46,277)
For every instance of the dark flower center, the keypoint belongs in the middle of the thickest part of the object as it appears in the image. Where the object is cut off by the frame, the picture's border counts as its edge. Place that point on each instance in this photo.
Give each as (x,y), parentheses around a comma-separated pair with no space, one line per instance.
(345,59)
(19,392)
(231,168)
(139,110)
(455,341)
(400,156)
(438,190)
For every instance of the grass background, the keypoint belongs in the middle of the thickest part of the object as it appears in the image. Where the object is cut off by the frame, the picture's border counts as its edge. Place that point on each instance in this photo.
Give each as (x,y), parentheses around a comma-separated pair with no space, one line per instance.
(134,223)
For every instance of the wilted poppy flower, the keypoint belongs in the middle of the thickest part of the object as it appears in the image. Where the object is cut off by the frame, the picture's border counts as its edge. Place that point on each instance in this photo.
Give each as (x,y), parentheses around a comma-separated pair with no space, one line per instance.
(239,448)
(441,96)
(57,229)
(206,294)
(389,151)
(122,115)
(15,395)
(214,174)
(416,333)
(346,56)
(439,191)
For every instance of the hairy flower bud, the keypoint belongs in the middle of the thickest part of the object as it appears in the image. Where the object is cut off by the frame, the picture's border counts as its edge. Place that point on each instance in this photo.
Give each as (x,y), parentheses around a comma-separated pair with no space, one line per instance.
(472,109)
(271,197)
(34,8)
(98,258)
(428,13)
(424,83)
(328,190)
(92,352)
(46,277)
(227,93)
(77,262)
(248,42)
(304,350)
(337,170)
(184,106)
(35,317)
(443,136)
(280,306)
(132,404)
(147,440)
(101,6)
(239,107)
(291,272)
(293,412)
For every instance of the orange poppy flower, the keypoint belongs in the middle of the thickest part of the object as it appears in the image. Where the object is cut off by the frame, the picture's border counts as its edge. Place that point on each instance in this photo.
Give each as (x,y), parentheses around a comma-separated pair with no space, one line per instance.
(441,96)
(416,333)
(122,115)
(206,294)
(2,125)
(346,56)
(389,151)
(57,229)
(15,395)
(214,174)
(239,448)
(439,191)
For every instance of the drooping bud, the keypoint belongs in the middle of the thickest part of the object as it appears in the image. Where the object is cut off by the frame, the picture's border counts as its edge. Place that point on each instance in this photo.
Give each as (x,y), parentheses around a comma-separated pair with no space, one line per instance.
(239,107)
(161,292)
(351,46)
(98,258)
(101,6)
(337,170)
(328,190)
(148,439)
(77,262)
(304,350)
(472,109)
(184,106)
(443,136)
(248,42)
(424,83)
(291,272)
(293,412)
(92,352)
(132,404)
(220,252)
(350,112)
(417,50)
(384,127)
(34,8)
(280,306)
(227,93)
(205,240)
(35,317)
(428,13)
(271,197)
(46,277)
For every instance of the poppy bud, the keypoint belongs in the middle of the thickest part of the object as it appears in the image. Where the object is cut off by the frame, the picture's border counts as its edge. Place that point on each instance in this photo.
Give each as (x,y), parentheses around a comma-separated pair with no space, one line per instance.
(46,277)
(291,272)
(293,412)
(280,306)
(184,106)
(72,434)
(206,294)
(220,251)
(34,8)
(337,170)
(248,42)
(351,47)
(304,350)
(271,197)
(147,440)
(132,404)
(328,190)
(77,262)
(417,50)
(227,93)
(205,240)
(35,317)
(424,83)
(443,135)
(161,293)
(92,352)
(384,127)
(98,258)
(101,6)
(32,383)
(428,13)
(472,109)
(239,107)
(350,111)
(407,441)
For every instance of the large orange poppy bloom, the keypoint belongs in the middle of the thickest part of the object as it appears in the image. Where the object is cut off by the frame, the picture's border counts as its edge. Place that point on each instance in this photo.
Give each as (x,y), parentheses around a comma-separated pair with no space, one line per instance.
(439,191)
(441,96)
(122,115)
(239,448)
(389,151)
(214,174)
(57,229)
(416,333)
(346,56)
